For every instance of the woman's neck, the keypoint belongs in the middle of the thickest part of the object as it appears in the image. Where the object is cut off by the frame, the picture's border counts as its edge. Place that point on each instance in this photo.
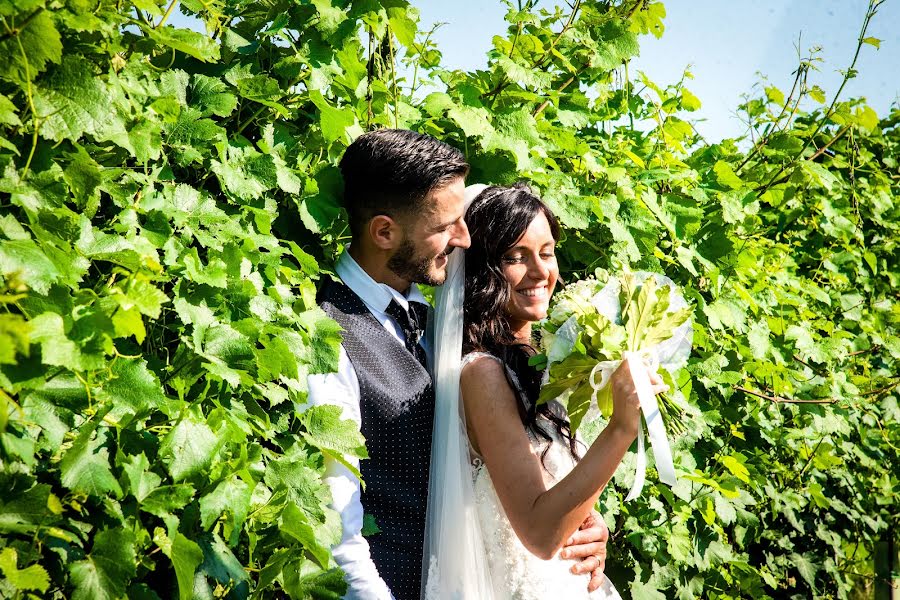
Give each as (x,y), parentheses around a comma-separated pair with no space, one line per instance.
(521,330)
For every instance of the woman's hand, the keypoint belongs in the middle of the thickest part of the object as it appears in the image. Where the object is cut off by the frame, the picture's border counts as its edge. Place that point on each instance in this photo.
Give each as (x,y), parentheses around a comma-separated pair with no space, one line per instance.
(626,406)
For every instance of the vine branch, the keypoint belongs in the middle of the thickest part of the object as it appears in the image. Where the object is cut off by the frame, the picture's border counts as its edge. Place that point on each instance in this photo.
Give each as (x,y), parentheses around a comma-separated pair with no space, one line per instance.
(782,400)
(17,29)
(559,90)
(166,14)
(849,74)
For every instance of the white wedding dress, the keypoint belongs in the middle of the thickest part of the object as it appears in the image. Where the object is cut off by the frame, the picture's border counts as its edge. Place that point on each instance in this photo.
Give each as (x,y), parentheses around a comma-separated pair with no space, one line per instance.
(516,573)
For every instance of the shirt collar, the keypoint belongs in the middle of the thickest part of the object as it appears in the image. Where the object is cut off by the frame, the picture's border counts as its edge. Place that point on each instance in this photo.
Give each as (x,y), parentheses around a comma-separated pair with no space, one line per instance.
(376,296)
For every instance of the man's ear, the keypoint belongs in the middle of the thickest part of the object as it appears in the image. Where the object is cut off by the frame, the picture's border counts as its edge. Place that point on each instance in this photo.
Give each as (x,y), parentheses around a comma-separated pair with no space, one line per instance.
(385,232)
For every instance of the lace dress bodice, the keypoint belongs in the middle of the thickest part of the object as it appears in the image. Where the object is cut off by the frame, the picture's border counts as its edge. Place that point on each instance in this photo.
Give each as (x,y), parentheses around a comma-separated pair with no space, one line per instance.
(518,574)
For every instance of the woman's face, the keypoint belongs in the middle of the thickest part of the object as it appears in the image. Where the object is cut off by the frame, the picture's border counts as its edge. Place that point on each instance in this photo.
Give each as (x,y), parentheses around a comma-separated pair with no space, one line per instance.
(530,269)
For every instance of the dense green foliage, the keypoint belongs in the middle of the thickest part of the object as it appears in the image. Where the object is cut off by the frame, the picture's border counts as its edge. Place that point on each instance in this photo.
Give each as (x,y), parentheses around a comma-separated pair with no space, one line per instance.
(169,198)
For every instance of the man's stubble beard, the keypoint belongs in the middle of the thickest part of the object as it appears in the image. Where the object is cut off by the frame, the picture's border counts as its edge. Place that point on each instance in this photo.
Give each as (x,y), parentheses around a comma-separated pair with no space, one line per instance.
(415,269)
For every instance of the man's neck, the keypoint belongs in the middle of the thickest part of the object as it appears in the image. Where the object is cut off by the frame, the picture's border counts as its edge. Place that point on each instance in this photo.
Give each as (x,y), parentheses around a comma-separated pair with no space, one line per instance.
(376,267)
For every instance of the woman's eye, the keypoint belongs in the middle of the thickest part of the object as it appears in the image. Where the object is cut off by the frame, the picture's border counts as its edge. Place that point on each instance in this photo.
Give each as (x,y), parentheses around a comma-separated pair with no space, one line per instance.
(547,255)
(513,260)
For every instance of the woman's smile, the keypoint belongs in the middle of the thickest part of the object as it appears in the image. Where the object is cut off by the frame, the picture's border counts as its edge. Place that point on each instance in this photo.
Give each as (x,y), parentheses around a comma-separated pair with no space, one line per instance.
(536,293)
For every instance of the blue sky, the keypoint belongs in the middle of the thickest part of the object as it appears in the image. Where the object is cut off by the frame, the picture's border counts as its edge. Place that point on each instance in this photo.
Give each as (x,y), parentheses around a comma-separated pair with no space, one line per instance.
(728,44)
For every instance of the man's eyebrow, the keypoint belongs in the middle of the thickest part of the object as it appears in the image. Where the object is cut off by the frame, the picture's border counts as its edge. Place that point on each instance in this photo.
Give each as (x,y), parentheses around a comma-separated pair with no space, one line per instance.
(448,223)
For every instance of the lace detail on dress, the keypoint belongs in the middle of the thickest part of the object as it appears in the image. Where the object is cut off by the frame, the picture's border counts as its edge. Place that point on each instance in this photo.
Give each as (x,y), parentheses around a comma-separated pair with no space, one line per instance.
(518,574)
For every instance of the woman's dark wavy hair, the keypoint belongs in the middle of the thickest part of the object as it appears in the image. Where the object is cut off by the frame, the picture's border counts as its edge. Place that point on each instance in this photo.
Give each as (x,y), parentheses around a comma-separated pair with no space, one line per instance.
(497,219)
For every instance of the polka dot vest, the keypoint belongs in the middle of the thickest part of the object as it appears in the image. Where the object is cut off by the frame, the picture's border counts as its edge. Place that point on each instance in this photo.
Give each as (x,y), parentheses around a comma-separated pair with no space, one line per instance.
(397,410)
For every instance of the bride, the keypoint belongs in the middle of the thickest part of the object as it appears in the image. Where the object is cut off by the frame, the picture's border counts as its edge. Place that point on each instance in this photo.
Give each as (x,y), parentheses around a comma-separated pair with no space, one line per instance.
(509,483)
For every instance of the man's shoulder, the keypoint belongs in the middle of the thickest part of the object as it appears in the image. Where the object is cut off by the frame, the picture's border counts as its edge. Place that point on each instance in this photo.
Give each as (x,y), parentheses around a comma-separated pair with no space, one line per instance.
(332,291)
(344,306)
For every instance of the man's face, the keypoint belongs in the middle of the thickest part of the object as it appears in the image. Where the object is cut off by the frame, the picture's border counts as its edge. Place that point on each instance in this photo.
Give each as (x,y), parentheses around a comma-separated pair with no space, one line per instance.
(431,236)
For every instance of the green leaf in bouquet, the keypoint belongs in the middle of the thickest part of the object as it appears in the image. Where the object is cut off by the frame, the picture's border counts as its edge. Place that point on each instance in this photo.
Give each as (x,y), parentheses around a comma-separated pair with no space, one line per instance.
(662,327)
(641,305)
(605,401)
(538,361)
(570,372)
(605,340)
(645,312)
(578,403)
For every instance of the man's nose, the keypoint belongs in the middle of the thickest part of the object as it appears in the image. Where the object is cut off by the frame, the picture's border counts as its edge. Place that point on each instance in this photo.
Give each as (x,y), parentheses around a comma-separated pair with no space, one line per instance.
(462,238)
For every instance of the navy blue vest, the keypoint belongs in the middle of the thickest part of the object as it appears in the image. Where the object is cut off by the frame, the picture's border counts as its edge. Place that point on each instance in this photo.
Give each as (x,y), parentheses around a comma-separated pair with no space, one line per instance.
(397,410)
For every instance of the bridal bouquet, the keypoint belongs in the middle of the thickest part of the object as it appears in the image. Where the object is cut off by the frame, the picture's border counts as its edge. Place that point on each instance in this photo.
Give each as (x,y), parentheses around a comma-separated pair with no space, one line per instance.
(592,327)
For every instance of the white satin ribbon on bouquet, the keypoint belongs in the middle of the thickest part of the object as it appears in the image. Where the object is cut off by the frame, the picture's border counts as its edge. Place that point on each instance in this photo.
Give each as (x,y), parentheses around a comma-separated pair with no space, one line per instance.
(650,409)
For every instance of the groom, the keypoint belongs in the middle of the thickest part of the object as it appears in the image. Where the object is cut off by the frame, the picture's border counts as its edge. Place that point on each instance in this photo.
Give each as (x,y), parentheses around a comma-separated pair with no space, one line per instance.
(403,192)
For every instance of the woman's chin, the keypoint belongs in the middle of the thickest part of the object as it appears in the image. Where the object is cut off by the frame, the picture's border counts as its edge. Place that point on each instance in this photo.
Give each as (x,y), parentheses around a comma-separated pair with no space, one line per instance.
(532,313)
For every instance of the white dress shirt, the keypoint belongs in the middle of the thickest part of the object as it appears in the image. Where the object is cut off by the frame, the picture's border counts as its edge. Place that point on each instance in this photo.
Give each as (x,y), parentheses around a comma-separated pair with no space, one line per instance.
(342,389)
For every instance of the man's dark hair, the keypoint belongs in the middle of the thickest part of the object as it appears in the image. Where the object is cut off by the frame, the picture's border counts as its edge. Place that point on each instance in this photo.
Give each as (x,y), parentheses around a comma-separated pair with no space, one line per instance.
(390,171)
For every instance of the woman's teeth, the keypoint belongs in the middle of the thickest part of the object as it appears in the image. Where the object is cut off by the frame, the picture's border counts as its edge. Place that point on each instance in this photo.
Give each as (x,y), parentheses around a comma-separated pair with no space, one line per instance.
(538,292)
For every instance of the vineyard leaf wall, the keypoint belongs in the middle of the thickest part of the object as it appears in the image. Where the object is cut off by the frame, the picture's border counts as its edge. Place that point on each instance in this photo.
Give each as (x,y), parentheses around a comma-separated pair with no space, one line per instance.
(169,201)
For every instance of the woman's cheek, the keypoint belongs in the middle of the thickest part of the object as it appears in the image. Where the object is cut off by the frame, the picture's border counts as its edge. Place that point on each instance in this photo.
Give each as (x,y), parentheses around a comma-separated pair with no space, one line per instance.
(512,278)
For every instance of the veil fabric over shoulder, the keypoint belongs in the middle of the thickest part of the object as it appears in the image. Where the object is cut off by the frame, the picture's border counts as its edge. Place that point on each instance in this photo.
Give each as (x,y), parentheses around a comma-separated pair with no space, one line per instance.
(455,566)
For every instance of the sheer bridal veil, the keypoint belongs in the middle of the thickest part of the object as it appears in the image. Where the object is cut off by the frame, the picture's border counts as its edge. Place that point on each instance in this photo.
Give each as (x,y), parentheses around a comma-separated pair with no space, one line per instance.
(455,565)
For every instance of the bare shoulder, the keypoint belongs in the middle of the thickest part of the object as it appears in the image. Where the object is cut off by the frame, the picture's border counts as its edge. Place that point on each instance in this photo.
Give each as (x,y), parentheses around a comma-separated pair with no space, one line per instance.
(484,380)
(481,365)
(482,371)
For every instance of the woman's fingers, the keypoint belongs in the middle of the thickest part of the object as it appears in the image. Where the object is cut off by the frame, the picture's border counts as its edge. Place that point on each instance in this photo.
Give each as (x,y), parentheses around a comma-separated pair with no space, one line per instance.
(657,383)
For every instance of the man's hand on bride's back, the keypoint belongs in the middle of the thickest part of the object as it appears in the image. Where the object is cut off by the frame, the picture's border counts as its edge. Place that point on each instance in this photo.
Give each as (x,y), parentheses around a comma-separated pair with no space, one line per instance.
(588,547)
(626,406)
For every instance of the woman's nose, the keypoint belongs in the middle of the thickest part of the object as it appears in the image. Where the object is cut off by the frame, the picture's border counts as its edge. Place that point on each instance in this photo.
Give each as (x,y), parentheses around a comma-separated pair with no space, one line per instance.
(539,271)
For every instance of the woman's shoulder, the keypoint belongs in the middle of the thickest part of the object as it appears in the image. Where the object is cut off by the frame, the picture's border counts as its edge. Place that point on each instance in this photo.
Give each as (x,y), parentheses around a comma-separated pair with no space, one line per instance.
(488,370)
(477,356)
(478,365)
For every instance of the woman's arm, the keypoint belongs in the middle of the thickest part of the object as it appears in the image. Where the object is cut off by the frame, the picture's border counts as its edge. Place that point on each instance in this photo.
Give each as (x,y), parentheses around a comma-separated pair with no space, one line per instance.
(542,518)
